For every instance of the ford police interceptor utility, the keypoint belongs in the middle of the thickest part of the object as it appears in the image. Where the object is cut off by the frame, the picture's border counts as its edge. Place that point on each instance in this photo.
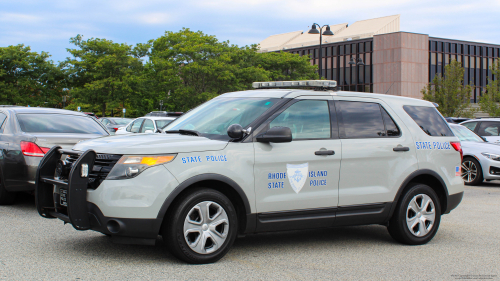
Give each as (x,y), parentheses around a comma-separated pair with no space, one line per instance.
(264,160)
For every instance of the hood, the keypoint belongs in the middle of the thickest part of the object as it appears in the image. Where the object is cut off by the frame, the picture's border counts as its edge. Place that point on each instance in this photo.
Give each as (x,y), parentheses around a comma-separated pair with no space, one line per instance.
(479,147)
(150,144)
(65,141)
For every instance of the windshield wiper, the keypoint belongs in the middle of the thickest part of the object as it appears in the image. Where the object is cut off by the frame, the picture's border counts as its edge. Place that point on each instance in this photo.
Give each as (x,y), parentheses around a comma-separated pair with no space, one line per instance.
(185,132)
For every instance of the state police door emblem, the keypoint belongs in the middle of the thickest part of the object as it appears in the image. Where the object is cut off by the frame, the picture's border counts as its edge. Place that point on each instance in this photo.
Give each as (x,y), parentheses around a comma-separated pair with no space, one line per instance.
(297,175)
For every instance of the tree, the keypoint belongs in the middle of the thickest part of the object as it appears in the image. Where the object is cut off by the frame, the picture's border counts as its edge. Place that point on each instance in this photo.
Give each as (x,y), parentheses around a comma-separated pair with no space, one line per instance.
(29,78)
(195,67)
(491,97)
(102,73)
(449,92)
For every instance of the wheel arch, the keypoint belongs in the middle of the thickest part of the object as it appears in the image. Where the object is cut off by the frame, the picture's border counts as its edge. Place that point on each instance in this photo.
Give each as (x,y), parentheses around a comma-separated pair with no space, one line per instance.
(427,177)
(221,183)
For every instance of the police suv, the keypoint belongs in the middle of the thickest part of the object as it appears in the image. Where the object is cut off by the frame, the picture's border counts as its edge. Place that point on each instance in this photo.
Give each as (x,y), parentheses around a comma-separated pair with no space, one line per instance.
(269,159)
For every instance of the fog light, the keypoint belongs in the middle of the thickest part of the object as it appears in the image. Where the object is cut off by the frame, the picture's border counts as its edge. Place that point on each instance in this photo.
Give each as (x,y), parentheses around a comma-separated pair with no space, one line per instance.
(85,170)
(132,171)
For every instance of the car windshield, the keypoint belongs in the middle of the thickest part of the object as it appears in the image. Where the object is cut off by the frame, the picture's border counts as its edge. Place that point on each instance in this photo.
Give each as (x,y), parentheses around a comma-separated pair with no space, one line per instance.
(59,123)
(212,118)
(464,134)
(162,123)
(122,121)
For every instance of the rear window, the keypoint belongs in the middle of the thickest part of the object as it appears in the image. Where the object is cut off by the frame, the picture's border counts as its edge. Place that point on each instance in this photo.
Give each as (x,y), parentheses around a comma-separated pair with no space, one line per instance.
(429,120)
(59,123)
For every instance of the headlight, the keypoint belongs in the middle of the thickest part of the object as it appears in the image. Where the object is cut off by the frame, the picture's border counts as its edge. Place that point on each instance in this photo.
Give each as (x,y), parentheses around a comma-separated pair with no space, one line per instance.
(491,156)
(129,166)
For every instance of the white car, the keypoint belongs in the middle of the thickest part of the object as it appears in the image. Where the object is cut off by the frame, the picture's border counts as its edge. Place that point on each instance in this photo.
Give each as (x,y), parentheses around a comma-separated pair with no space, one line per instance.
(145,125)
(258,161)
(488,128)
(481,159)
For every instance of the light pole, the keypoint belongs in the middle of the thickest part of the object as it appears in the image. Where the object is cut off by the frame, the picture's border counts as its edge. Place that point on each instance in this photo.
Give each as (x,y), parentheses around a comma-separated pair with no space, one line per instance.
(327,32)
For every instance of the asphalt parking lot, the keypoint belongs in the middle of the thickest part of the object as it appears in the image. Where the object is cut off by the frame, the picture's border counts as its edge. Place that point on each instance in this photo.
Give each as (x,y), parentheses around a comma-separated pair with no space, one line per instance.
(465,247)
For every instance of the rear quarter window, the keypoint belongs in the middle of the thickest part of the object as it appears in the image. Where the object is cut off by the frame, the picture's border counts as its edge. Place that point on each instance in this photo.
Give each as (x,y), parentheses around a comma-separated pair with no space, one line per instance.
(429,120)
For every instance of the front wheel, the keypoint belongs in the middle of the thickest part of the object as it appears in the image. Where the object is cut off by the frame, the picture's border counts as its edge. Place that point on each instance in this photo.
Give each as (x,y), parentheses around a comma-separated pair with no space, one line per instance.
(472,173)
(202,227)
(417,216)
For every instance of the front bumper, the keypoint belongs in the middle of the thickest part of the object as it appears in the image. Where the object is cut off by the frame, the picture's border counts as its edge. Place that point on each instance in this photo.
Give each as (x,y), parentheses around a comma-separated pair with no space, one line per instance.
(107,209)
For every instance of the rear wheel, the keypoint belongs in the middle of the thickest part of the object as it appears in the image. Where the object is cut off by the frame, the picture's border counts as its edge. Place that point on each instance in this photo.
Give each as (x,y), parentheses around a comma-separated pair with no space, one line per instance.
(202,227)
(6,197)
(417,216)
(472,173)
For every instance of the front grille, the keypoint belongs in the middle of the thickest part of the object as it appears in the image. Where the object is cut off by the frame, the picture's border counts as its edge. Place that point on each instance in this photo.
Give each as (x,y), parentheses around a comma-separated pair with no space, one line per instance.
(102,166)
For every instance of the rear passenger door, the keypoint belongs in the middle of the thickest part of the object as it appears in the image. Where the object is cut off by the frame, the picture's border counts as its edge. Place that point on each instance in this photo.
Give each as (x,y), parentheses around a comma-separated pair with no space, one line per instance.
(377,153)
(490,130)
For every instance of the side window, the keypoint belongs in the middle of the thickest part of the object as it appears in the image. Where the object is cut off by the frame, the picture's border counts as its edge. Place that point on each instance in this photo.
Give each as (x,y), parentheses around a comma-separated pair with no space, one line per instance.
(148,125)
(429,120)
(488,129)
(136,126)
(471,125)
(362,119)
(105,122)
(391,128)
(308,119)
(2,119)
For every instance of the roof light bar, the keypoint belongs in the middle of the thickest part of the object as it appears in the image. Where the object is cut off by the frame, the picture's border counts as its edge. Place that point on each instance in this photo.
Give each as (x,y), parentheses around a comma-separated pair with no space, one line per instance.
(323,84)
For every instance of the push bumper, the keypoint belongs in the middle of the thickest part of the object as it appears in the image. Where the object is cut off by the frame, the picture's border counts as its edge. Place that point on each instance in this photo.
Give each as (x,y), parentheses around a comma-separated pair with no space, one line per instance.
(76,210)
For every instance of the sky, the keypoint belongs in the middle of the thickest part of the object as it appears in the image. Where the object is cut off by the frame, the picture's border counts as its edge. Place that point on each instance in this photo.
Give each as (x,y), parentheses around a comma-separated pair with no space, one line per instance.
(49,24)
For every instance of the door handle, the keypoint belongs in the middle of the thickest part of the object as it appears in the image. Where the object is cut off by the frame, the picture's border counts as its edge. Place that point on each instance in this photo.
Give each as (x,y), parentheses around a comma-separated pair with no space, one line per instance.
(324,152)
(401,148)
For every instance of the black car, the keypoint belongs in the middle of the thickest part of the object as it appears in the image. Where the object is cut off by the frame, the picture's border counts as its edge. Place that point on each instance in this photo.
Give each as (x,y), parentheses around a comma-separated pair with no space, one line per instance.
(27,133)
(456,120)
(114,123)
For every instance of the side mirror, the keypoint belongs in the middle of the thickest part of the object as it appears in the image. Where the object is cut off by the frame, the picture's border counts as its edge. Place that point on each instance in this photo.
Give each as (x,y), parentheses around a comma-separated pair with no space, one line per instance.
(159,131)
(149,132)
(235,131)
(276,134)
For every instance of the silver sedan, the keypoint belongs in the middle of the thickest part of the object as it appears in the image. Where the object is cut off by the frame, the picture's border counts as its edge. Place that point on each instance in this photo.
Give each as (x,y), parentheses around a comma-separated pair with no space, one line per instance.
(481,159)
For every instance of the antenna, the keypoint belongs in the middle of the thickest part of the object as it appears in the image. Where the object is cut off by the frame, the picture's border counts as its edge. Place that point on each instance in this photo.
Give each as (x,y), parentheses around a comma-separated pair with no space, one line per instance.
(389,88)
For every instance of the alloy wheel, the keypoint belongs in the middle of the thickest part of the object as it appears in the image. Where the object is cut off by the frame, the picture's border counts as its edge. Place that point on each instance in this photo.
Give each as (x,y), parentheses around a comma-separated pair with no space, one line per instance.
(420,215)
(469,171)
(206,227)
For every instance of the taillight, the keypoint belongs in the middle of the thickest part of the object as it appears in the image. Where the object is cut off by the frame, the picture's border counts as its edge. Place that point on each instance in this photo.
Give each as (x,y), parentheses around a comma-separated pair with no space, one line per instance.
(116,129)
(32,149)
(456,145)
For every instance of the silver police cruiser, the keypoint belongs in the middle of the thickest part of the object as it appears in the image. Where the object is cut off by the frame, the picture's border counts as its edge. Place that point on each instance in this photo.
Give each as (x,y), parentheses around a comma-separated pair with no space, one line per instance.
(269,159)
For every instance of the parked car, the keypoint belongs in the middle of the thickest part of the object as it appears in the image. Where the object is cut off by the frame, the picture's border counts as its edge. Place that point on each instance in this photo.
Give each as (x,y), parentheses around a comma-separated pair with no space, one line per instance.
(489,128)
(456,120)
(145,125)
(164,114)
(114,123)
(481,159)
(27,133)
(260,161)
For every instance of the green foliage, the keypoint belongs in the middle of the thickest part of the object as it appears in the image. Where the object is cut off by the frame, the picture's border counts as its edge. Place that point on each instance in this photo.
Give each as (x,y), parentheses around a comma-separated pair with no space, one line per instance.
(29,78)
(184,69)
(490,99)
(103,73)
(450,93)
(196,67)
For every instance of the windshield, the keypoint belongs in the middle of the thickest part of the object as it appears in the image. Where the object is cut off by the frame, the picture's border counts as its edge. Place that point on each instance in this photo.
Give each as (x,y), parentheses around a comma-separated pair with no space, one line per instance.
(162,123)
(122,121)
(59,123)
(464,134)
(212,118)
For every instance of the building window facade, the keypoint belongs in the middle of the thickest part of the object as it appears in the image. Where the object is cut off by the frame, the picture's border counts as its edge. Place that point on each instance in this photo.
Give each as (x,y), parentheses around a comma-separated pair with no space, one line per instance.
(336,57)
(476,59)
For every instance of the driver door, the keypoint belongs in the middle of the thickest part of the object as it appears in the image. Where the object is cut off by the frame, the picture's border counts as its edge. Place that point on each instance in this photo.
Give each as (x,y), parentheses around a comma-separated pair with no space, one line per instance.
(296,183)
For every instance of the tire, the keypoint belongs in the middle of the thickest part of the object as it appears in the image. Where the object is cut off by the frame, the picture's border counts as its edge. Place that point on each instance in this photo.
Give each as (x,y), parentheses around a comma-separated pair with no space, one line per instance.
(410,212)
(6,197)
(201,228)
(472,173)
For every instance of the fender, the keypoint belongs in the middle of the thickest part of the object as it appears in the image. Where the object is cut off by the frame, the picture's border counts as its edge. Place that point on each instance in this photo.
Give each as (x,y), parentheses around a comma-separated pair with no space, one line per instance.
(187,183)
(409,179)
